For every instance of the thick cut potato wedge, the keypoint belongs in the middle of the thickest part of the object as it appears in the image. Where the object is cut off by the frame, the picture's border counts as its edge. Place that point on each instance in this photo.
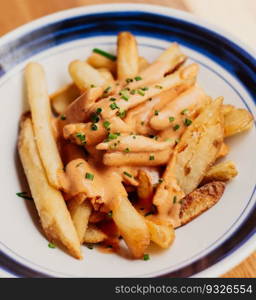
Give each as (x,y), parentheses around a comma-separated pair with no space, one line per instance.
(161,232)
(237,120)
(94,235)
(200,200)
(39,103)
(221,172)
(51,207)
(80,213)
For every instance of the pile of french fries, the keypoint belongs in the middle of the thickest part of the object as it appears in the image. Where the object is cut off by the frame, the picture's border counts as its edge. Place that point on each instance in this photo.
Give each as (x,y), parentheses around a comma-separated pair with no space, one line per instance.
(128,150)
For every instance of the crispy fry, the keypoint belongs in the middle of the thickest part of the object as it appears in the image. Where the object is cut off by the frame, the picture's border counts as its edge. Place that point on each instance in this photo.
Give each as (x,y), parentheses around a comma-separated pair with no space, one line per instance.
(137,159)
(61,99)
(131,224)
(221,172)
(41,118)
(85,76)
(94,235)
(134,143)
(236,121)
(51,207)
(161,232)
(127,56)
(200,200)
(80,213)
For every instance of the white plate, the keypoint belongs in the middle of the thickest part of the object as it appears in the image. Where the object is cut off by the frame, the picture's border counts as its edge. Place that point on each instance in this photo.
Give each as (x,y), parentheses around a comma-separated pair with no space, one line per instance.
(208,246)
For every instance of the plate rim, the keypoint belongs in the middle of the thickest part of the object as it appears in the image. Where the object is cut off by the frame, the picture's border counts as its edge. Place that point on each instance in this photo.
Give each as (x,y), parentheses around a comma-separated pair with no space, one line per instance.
(240,253)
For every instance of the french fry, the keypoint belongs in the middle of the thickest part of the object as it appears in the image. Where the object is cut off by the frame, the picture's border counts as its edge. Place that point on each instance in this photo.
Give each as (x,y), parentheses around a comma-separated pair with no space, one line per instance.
(127,56)
(137,159)
(200,200)
(85,76)
(94,235)
(61,99)
(51,207)
(143,63)
(191,100)
(224,150)
(145,189)
(131,224)
(192,157)
(221,172)
(134,143)
(80,213)
(161,232)
(39,103)
(99,61)
(237,120)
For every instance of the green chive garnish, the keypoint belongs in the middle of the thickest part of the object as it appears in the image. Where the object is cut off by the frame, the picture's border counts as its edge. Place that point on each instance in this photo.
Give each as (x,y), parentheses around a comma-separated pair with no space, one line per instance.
(187,122)
(158,86)
(112,136)
(127,150)
(151,157)
(146,257)
(94,127)
(89,176)
(127,174)
(106,124)
(110,214)
(81,137)
(156,112)
(171,119)
(63,117)
(51,245)
(160,180)
(133,92)
(121,114)
(112,99)
(24,195)
(185,111)
(98,110)
(113,106)
(92,86)
(176,127)
(129,80)
(107,89)
(104,53)
(137,78)
(89,246)
(174,199)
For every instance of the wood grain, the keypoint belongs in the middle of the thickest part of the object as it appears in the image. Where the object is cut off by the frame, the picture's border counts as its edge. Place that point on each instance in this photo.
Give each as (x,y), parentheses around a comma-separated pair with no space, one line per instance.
(18,12)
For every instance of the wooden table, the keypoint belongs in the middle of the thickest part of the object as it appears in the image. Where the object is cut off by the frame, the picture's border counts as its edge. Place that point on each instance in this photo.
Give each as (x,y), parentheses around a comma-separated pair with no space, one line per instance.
(14,13)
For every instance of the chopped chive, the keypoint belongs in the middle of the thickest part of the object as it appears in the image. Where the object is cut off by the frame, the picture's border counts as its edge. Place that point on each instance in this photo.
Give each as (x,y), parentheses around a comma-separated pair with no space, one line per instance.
(24,195)
(151,157)
(112,136)
(142,123)
(171,119)
(158,86)
(110,214)
(133,92)
(176,127)
(174,199)
(94,118)
(187,122)
(63,117)
(185,111)
(104,53)
(107,89)
(89,176)
(137,78)
(106,124)
(126,150)
(140,92)
(156,112)
(146,257)
(112,99)
(113,106)
(177,141)
(89,246)
(94,127)
(145,88)
(124,95)
(181,201)
(129,80)
(160,180)
(79,164)
(127,174)
(98,110)
(81,137)
(92,86)
(51,245)
(134,137)
(121,114)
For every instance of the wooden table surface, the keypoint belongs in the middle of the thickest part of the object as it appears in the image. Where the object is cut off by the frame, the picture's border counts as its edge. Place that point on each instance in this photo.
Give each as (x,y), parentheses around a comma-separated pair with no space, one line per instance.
(14,13)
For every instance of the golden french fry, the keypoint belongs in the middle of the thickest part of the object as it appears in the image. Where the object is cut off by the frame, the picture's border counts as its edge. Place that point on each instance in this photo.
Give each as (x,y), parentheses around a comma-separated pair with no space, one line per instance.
(61,99)
(39,103)
(94,235)
(145,189)
(143,63)
(224,150)
(107,76)
(85,76)
(221,172)
(80,213)
(127,56)
(200,200)
(237,120)
(188,102)
(192,157)
(131,225)
(51,207)
(134,143)
(99,61)
(137,159)
(161,232)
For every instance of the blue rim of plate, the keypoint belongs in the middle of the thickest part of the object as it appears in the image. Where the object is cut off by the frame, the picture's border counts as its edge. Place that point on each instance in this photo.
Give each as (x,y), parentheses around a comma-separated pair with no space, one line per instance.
(234,59)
